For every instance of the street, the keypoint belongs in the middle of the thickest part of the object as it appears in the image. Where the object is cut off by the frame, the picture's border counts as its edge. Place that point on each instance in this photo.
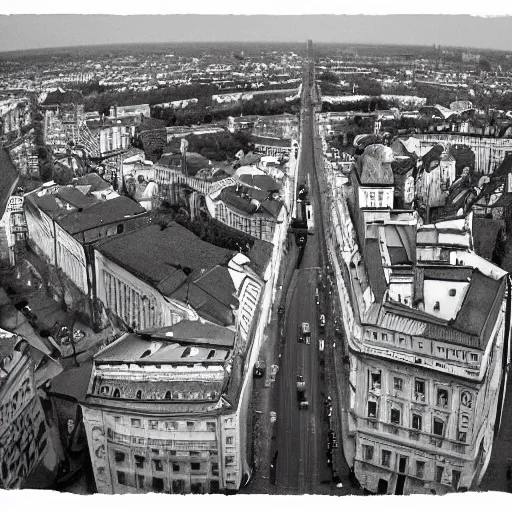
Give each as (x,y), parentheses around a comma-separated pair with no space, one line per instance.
(301,464)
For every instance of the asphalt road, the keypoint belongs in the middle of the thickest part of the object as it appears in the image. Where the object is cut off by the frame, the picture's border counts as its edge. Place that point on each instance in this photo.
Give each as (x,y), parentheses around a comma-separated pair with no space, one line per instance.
(301,463)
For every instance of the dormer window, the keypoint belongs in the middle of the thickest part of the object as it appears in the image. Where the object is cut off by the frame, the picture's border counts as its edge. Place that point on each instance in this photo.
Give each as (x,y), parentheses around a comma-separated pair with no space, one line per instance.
(452,292)
(436,306)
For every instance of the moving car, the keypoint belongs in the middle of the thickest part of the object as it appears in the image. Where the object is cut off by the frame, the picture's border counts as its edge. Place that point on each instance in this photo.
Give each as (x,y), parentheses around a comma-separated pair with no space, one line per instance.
(321,345)
(305,333)
(301,393)
(322,322)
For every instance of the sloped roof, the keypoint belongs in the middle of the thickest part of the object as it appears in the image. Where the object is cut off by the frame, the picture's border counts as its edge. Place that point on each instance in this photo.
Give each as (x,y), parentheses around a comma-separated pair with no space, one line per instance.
(75,198)
(96,182)
(153,254)
(376,275)
(375,165)
(485,234)
(113,210)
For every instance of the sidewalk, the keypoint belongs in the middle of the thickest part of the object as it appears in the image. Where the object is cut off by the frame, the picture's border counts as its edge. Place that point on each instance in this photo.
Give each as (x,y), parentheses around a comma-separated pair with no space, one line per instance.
(264,399)
(50,313)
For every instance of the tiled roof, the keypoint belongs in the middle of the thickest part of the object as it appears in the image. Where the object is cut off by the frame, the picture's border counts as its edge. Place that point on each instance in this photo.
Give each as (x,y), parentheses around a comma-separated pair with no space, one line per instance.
(95,181)
(485,234)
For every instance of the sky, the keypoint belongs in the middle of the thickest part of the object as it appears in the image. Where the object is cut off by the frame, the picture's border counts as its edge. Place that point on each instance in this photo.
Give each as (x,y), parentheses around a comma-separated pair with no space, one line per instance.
(20,32)
(26,24)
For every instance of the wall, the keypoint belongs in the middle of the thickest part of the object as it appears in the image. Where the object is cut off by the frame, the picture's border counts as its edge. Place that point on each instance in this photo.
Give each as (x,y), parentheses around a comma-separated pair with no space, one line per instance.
(24,434)
(139,305)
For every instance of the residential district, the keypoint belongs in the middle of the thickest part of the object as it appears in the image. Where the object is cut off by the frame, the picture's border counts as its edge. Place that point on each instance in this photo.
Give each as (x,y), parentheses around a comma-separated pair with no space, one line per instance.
(256,269)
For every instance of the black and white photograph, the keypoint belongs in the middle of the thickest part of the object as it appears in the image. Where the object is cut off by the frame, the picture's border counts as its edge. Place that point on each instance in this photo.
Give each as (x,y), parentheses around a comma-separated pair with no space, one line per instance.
(249,252)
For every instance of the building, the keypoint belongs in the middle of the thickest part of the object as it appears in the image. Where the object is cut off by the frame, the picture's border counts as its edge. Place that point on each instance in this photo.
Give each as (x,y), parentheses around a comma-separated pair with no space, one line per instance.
(167,410)
(63,221)
(427,326)
(250,202)
(29,453)
(159,275)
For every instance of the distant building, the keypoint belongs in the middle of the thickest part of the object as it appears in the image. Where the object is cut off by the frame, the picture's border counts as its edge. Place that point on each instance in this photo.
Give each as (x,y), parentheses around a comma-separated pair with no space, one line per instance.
(468,57)
(117,112)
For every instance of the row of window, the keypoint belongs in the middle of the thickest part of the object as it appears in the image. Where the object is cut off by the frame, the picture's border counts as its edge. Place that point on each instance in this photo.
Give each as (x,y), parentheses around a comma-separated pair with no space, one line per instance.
(419,468)
(401,340)
(438,427)
(442,394)
(169,425)
(158,484)
(158,464)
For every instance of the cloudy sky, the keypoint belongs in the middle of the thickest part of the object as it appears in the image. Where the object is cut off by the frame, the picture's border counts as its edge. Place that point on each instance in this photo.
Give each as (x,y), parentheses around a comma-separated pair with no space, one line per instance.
(27,31)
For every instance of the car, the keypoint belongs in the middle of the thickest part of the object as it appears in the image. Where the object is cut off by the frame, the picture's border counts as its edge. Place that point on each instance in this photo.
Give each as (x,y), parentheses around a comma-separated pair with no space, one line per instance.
(317,297)
(322,322)
(321,345)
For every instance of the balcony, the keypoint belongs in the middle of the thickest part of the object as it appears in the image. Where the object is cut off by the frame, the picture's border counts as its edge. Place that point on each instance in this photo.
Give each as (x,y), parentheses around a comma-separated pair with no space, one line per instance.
(409,435)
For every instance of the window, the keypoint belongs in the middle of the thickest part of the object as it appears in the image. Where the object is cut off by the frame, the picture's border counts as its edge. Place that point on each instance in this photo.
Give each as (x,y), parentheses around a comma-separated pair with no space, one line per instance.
(375,381)
(230,459)
(367,452)
(175,467)
(158,484)
(395,416)
(420,469)
(117,393)
(452,292)
(104,390)
(158,465)
(420,344)
(153,424)
(120,229)
(462,436)
(474,358)
(140,481)
(442,398)
(167,395)
(214,486)
(135,423)
(398,383)
(417,421)
(121,478)
(210,426)
(195,466)
(119,456)
(440,350)
(384,336)
(372,409)
(138,396)
(401,340)
(171,425)
(438,427)
(215,468)
(229,440)
(118,419)
(439,473)
(419,390)
(190,424)
(436,306)
(386,458)
(139,461)
(380,196)
(374,335)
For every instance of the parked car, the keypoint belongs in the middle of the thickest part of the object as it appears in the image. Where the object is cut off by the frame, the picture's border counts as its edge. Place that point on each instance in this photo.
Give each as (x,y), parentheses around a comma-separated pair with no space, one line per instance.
(321,345)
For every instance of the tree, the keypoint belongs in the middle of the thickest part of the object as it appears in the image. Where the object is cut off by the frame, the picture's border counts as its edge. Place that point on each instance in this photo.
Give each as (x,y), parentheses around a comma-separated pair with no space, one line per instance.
(368,86)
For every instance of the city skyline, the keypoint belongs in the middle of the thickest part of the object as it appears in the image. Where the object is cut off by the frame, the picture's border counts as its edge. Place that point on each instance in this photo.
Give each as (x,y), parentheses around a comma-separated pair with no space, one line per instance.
(32,32)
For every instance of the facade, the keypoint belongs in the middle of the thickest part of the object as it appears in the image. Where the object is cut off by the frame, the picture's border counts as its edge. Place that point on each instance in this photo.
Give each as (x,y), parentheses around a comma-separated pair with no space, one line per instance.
(427,326)
(25,440)
(62,222)
(178,420)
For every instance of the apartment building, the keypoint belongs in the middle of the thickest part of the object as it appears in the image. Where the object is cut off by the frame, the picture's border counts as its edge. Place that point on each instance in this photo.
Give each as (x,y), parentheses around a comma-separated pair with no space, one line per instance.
(26,443)
(251,202)
(167,409)
(427,323)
